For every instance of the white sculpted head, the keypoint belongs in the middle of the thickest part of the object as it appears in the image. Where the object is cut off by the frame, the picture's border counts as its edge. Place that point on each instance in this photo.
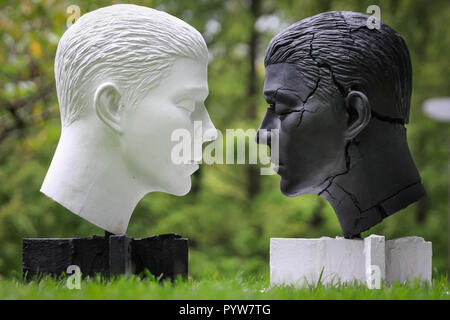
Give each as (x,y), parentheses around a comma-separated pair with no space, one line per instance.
(126,76)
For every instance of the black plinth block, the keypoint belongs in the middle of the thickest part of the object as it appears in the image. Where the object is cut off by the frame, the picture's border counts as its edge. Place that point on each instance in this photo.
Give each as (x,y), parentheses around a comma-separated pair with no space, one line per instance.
(165,256)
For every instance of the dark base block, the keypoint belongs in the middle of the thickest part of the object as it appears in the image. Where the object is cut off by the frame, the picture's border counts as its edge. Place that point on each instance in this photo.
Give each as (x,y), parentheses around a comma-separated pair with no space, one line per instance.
(165,256)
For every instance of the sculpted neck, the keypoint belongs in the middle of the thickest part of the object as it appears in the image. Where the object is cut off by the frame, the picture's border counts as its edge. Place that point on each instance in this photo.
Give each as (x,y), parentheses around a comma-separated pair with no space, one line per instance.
(88,177)
(381,179)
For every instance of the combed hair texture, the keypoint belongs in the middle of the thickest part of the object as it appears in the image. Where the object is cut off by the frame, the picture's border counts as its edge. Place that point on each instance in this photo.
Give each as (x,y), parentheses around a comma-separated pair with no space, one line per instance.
(336,51)
(132,46)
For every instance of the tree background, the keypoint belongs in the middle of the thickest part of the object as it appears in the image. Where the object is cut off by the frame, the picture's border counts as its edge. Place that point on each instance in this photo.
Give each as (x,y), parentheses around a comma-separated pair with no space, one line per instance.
(231,212)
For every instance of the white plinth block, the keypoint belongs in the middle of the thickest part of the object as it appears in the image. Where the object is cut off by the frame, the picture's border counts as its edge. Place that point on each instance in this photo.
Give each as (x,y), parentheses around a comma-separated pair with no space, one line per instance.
(408,258)
(300,262)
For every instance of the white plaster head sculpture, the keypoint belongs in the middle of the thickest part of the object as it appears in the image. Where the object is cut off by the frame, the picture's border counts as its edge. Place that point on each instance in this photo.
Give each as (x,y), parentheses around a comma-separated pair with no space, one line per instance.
(126,77)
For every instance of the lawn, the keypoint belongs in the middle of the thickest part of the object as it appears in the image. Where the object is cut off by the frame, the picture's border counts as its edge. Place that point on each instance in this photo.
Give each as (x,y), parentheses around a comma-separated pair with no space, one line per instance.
(239,287)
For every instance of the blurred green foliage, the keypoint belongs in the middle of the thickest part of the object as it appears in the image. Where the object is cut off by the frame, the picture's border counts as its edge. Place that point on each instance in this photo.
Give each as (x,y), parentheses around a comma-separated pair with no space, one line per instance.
(228,227)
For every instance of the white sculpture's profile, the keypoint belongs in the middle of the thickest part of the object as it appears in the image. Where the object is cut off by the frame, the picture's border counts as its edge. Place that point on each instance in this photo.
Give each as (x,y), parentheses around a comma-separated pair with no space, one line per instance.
(126,77)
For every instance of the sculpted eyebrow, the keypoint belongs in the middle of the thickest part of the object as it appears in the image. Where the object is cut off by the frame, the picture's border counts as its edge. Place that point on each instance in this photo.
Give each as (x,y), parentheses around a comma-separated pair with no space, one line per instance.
(285,96)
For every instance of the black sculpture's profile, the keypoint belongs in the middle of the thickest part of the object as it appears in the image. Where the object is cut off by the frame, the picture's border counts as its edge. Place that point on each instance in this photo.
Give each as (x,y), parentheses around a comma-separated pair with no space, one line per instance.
(339,94)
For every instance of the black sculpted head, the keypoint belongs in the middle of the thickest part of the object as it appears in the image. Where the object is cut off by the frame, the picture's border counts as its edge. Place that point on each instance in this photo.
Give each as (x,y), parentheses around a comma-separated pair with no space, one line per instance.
(339,94)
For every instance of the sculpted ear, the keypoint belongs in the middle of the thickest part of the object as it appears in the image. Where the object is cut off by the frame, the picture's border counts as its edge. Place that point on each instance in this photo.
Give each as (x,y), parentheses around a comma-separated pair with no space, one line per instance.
(108,106)
(358,109)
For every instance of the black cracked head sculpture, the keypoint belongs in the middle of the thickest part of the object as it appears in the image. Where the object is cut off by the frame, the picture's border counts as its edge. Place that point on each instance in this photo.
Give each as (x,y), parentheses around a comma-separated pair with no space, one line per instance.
(339,94)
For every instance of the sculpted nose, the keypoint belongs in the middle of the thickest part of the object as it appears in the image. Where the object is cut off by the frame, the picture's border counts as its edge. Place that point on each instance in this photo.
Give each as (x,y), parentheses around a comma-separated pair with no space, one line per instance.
(270,122)
(209,130)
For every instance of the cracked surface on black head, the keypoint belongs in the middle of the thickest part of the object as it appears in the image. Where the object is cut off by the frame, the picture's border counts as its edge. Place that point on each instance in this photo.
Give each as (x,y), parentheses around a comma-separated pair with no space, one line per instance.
(317,62)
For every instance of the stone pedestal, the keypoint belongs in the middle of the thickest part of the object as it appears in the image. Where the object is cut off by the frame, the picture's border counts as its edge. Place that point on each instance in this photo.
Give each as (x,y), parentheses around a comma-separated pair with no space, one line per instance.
(165,256)
(303,262)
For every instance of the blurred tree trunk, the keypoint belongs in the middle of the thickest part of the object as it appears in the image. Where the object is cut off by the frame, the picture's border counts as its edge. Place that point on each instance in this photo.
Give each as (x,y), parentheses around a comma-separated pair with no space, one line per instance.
(21,111)
(196,182)
(253,176)
(420,159)
(317,215)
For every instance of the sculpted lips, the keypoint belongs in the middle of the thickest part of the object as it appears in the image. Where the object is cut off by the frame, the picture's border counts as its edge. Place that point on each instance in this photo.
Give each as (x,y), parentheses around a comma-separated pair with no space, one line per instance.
(190,168)
(278,167)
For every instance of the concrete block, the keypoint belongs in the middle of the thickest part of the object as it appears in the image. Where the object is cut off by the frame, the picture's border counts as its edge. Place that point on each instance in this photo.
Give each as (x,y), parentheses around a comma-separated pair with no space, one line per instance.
(120,260)
(44,255)
(375,262)
(302,262)
(163,256)
(408,258)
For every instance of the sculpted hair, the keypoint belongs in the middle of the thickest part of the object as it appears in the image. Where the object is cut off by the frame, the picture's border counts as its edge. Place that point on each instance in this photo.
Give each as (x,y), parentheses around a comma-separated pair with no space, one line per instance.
(335,51)
(132,46)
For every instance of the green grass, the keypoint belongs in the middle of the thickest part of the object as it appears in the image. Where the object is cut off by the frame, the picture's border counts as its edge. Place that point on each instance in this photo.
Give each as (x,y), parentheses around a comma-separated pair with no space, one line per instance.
(240,287)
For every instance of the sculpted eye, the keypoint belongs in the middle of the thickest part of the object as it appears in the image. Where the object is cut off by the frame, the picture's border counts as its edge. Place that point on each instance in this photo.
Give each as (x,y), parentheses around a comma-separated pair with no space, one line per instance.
(188,105)
(282,110)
